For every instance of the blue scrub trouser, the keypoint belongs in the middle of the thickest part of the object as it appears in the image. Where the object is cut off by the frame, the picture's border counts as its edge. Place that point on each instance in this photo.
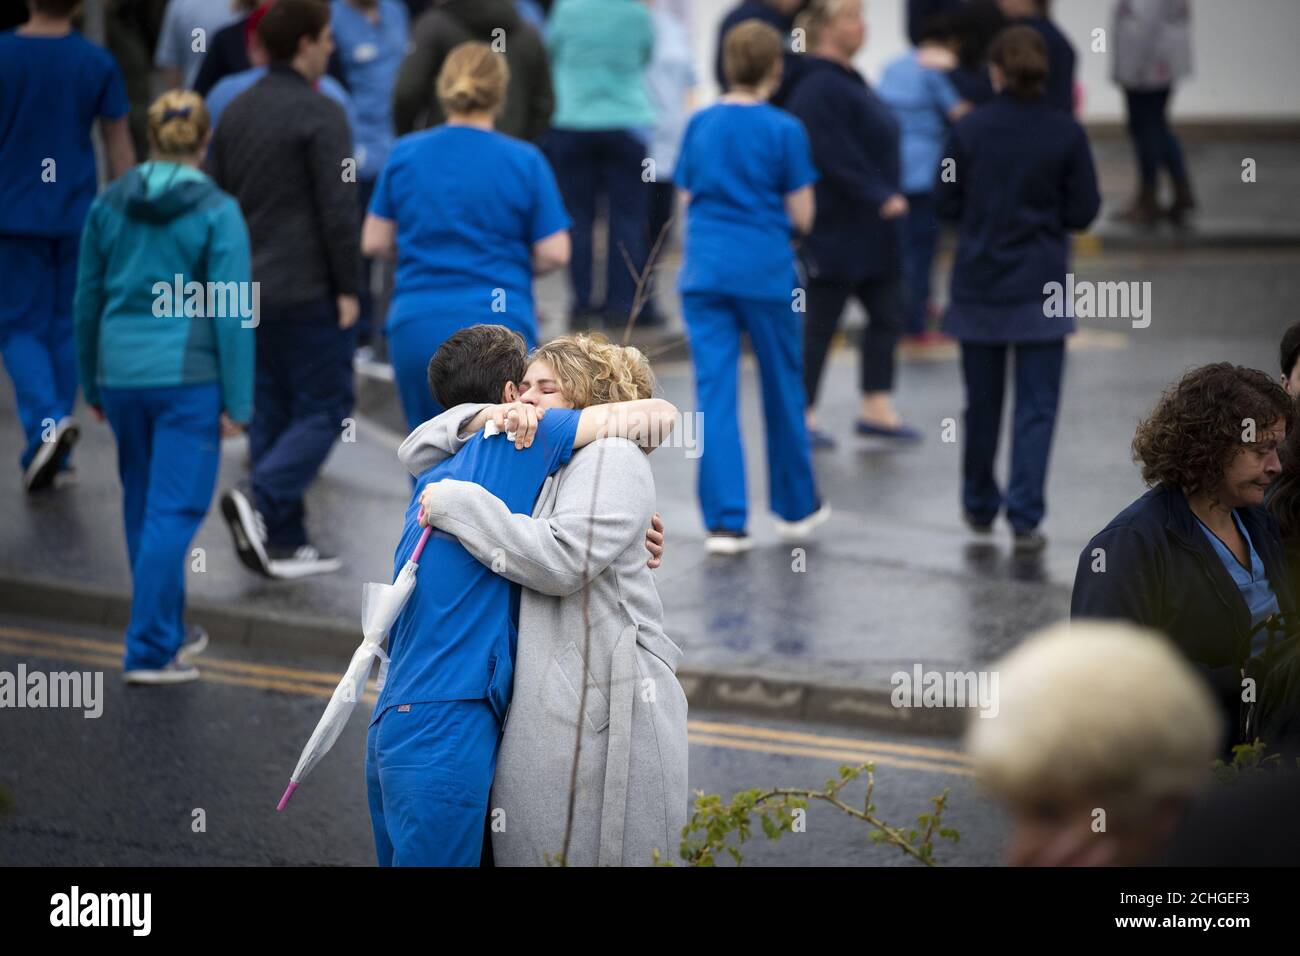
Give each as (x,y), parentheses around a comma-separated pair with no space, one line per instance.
(410,346)
(168,450)
(1039,369)
(38,276)
(429,775)
(303,391)
(714,324)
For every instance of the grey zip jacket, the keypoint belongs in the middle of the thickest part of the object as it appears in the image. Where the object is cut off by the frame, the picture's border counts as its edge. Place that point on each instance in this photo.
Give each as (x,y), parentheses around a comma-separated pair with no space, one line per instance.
(632,792)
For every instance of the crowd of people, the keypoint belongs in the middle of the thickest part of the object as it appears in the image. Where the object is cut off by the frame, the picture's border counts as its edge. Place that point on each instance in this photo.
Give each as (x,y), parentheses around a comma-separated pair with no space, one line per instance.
(477,145)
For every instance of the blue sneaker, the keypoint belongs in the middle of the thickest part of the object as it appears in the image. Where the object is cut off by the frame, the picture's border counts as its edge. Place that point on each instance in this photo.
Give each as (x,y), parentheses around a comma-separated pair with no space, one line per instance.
(902,435)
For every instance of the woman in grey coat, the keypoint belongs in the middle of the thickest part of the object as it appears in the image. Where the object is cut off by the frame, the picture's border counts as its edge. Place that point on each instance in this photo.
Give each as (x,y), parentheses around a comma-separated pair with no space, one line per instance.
(631,794)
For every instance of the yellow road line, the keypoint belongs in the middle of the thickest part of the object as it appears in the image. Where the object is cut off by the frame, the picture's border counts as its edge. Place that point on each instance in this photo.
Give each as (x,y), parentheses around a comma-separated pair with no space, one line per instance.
(214,677)
(245,667)
(320,684)
(843,743)
(847,756)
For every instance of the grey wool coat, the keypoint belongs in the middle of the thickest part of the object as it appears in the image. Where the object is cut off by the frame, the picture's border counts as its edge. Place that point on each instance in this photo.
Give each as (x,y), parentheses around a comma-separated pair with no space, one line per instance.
(632,793)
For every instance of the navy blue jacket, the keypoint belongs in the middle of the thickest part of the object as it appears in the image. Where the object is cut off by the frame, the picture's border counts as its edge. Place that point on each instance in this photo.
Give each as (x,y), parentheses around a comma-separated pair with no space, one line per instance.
(1060,64)
(1023,179)
(1162,573)
(854,138)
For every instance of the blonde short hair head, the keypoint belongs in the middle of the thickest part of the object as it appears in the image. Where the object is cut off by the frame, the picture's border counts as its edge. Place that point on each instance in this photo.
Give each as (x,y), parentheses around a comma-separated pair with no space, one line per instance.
(750,51)
(178,123)
(473,79)
(1101,710)
(592,370)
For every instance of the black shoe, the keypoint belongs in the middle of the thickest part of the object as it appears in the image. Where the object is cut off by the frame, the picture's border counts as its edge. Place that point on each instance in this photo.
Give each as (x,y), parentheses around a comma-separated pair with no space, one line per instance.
(300,562)
(1029,542)
(44,465)
(979,527)
(248,530)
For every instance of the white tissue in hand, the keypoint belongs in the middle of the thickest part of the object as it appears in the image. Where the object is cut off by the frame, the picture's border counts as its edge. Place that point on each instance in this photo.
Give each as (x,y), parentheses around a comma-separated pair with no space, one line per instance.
(491,429)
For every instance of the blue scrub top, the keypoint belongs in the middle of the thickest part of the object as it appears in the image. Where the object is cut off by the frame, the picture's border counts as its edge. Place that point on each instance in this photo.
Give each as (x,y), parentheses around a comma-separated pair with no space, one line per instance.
(461,614)
(738,163)
(371,54)
(1252,583)
(920,99)
(469,204)
(52,89)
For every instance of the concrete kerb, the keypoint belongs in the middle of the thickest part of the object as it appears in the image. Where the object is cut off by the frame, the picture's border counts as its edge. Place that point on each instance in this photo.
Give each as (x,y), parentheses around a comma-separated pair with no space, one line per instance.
(751,691)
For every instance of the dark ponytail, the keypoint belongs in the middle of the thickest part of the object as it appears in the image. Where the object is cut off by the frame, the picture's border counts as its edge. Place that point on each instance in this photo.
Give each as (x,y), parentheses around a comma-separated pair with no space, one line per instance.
(1020,53)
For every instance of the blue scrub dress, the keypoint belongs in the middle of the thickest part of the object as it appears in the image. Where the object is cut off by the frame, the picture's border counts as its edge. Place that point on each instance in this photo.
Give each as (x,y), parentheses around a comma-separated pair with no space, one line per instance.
(738,163)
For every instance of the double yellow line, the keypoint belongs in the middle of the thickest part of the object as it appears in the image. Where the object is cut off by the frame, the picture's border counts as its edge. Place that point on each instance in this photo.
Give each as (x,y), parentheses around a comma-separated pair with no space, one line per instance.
(310,683)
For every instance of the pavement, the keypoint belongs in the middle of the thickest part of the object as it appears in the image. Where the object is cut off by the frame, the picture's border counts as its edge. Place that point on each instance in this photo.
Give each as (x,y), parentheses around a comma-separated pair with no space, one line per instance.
(894,581)
(190,776)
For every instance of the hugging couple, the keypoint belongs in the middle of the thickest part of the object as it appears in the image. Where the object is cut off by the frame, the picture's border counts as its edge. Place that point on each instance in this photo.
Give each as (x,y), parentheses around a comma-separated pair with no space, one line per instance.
(473,736)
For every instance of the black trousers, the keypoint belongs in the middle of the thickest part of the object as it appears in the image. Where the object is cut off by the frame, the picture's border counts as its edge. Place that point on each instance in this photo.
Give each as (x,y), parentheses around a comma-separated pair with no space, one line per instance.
(885,302)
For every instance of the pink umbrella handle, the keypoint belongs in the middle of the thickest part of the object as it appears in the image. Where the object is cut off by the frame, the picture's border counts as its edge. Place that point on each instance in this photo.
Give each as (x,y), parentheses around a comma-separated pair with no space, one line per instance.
(288,792)
(419,545)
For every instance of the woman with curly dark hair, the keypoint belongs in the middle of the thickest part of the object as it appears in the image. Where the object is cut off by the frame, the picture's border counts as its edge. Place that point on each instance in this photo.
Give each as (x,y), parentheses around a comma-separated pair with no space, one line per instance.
(1198,556)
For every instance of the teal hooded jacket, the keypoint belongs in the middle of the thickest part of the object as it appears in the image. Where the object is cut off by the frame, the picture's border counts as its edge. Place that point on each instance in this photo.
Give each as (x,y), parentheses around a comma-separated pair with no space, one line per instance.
(164,291)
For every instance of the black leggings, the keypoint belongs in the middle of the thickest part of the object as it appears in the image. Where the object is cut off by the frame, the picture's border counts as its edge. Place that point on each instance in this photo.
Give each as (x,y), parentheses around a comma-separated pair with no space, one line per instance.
(884,301)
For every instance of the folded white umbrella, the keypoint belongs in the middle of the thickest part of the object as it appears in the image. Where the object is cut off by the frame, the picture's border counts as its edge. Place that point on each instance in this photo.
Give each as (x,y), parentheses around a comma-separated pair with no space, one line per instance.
(380,605)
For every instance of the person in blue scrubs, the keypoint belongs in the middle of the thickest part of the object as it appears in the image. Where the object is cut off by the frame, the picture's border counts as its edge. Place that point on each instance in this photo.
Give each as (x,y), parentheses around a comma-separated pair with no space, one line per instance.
(471,214)
(435,730)
(170,378)
(372,36)
(54,86)
(746,172)
(1025,179)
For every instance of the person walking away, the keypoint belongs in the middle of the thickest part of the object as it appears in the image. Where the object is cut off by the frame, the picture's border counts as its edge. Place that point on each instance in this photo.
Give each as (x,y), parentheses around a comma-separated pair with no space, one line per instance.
(1024,179)
(854,248)
(923,101)
(170,382)
(599,53)
(471,215)
(1059,85)
(530,100)
(175,55)
(305,249)
(671,82)
(1153,52)
(372,37)
(231,85)
(54,86)
(746,174)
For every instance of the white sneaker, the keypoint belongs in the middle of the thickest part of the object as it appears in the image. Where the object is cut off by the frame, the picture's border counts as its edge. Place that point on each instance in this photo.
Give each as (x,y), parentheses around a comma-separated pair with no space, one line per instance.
(44,465)
(196,642)
(727,542)
(801,530)
(173,672)
(302,562)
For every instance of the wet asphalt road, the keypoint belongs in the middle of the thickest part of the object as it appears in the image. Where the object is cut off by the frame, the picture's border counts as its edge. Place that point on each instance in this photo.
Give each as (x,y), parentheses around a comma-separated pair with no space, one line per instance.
(132,786)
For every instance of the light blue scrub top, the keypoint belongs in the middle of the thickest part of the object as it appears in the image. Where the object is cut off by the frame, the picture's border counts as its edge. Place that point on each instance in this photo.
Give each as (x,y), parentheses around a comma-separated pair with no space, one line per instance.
(1252,584)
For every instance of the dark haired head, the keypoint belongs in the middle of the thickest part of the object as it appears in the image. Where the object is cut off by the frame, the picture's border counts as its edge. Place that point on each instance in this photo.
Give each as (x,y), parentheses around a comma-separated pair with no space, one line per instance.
(976,23)
(1020,53)
(284,25)
(475,364)
(941,27)
(61,9)
(1290,349)
(1197,428)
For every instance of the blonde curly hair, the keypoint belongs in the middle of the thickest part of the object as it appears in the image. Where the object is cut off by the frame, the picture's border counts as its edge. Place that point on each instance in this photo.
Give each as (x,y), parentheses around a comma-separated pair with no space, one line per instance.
(592,370)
